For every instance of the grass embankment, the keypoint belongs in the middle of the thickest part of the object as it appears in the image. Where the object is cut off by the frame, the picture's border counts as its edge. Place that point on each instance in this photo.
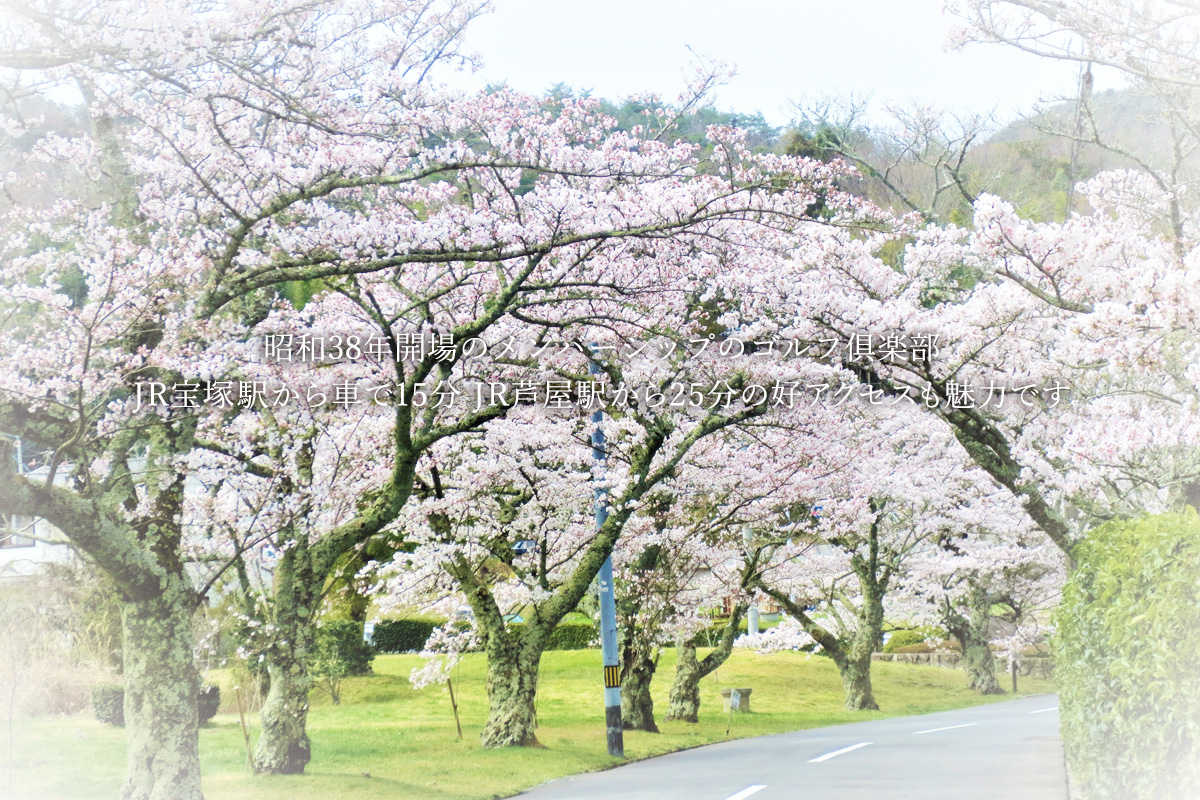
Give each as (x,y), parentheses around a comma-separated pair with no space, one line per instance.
(406,741)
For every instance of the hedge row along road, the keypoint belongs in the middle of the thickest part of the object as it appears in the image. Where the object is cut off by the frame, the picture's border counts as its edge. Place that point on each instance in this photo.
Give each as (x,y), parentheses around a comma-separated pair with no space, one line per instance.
(1005,751)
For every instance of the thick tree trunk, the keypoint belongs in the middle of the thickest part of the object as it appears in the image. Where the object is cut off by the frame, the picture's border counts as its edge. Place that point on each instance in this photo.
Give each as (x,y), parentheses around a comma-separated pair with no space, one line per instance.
(981,667)
(284,748)
(972,633)
(161,684)
(974,637)
(856,682)
(637,707)
(685,690)
(512,677)
(855,665)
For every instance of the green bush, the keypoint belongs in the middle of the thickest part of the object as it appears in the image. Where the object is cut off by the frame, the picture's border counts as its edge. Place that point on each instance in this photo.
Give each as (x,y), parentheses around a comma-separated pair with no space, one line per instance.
(902,639)
(402,635)
(915,636)
(406,635)
(340,652)
(108,703)
(1126,653)
(209,702)
(343,640)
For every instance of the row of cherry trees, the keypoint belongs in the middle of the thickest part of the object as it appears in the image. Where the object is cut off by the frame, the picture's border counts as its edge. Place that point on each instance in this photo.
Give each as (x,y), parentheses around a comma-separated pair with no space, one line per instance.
(252,172)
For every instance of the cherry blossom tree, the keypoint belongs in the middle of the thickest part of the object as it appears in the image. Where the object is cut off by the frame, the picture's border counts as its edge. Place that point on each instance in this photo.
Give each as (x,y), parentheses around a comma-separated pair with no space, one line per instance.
(685,559)
(833,572)
(743,481)
(512,487)
(244,148)
(1027,339)
(990,558)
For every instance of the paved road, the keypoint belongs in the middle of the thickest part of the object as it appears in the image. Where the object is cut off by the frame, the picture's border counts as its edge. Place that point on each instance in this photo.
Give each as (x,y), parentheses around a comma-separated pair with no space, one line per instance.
(1004,751)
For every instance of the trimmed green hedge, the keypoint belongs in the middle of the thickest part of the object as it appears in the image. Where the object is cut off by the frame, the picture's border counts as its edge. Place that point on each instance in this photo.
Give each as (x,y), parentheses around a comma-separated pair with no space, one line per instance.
(900,639)
(1127,651)
(402,635)
(915,636)
(407,635)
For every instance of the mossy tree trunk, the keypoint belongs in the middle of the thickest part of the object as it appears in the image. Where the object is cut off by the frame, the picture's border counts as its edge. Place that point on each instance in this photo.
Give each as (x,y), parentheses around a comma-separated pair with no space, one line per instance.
(856,667)
(689,671)
(639,644)
(143,559)
(292,607)
(283,747)
(161,685)
(684,701)
(637,706)
(513,664)
(972,631)
(873,567)
(856,684)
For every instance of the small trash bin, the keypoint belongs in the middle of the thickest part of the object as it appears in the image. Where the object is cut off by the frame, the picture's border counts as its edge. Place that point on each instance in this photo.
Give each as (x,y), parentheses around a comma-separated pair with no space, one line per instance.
(737,700)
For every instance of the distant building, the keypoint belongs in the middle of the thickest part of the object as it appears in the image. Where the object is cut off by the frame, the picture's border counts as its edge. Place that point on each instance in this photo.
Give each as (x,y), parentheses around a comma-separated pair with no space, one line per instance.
(28,542)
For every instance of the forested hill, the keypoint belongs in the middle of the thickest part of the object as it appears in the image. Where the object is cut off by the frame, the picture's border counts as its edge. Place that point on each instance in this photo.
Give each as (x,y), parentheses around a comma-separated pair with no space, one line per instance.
(910,162)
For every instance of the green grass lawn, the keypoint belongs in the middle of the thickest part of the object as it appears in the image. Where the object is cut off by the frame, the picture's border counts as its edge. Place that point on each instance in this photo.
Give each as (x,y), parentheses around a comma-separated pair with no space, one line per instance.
(406,741)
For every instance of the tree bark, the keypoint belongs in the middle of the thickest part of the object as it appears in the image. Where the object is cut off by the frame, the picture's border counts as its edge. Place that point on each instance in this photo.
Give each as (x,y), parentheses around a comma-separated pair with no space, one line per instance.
(856,682)
(981,667)
(685,689)
(162,723)
(637,706)
(853,661)
(283,747)
(972,633)
(512,677)
(855,666)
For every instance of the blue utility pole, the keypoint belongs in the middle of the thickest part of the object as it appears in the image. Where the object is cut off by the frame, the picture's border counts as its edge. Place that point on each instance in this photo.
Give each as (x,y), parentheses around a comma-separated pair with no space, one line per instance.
(608,605)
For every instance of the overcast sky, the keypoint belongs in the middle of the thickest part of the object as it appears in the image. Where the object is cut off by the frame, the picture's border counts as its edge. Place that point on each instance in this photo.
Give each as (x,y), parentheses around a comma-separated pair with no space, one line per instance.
(894,50)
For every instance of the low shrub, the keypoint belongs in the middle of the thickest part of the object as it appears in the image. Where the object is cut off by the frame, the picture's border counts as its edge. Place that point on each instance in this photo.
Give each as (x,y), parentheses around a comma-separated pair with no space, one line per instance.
(574,636)
(900,641)
(410,635)
(108,703)
(209,702)
(343,639)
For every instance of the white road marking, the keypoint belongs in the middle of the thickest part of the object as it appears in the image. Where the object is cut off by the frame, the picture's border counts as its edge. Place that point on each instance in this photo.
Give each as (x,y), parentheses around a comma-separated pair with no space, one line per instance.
(749,790)
(948,728)
(837,753)
(1044,710)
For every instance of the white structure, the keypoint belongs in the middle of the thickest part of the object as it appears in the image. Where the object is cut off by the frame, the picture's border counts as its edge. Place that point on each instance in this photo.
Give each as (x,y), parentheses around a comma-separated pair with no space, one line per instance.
(28,542)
